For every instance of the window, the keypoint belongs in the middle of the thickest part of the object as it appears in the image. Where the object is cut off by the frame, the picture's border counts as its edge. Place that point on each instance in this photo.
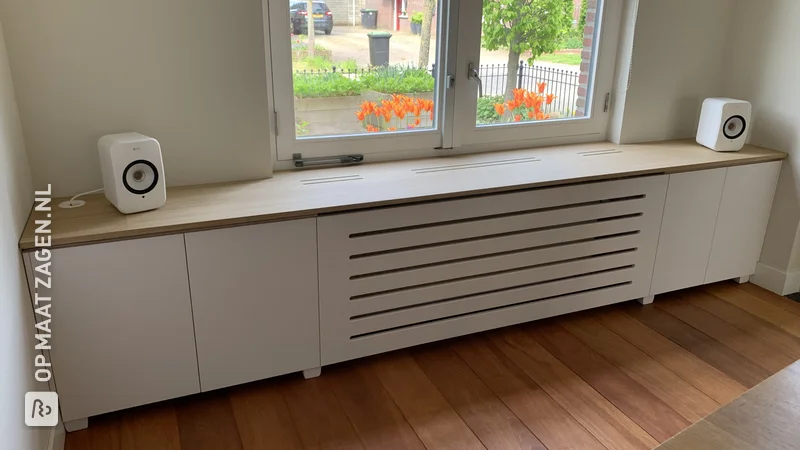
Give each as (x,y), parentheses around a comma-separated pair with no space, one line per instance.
(481,75)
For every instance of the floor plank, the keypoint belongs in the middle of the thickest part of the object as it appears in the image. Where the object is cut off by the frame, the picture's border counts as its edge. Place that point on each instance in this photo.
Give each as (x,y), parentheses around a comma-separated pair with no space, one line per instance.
(755,306)
(103,434)
(151,427)
(776,338)
(432,418)
(319,419)
(650,413)
(608,424)
(206,422)
(375,417)
(771,298)
(262,417)
(490,420)
(548,420)
(681,396)
(725,333)
(692,369)
(706,348)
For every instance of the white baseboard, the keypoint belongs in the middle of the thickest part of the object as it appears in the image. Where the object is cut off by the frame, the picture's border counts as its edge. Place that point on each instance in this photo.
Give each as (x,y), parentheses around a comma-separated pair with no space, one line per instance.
(775,280)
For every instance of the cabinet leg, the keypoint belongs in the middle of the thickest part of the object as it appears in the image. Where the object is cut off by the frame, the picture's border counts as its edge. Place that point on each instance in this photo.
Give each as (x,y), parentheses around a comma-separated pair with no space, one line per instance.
(76,425)
(743,280)
(647,300)
(312,373)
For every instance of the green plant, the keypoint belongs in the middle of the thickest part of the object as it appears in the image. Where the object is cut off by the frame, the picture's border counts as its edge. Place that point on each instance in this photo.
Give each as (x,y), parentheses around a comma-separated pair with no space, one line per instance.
(301,128)
(571,41)
(398,80)
(417,17)
(486,110)
(317,63)
(324,85)
(300,52)
(348,65)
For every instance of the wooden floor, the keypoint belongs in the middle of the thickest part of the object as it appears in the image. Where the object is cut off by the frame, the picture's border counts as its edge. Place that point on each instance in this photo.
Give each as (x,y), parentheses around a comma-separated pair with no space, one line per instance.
(621,377)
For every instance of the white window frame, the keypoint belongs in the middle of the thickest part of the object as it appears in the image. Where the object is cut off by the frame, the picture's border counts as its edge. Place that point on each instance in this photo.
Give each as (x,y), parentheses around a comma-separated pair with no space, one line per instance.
(455,130)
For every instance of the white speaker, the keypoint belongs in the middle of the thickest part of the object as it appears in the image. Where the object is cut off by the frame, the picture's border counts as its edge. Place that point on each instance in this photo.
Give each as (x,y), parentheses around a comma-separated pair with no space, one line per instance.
(133,172)
(724,124)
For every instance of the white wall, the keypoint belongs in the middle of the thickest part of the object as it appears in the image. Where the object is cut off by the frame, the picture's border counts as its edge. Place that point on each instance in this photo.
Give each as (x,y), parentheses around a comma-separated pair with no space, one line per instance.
(762,65)
(190,73)
(677,62)
(16,315)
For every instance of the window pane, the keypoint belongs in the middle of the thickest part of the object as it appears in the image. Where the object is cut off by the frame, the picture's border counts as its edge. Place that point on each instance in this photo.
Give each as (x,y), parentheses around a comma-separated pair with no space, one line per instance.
(536,60)
(377,75)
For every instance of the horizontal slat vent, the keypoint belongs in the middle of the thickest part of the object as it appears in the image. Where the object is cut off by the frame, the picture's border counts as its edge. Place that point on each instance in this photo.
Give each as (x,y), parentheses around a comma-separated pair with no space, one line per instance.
(478,165)
(391,277)
(327,180)
(475,313)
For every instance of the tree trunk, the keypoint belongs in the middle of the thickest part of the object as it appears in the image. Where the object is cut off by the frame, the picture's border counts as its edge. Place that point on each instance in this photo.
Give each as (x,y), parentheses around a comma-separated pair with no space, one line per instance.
(513,72)
(425,35)
(310,28)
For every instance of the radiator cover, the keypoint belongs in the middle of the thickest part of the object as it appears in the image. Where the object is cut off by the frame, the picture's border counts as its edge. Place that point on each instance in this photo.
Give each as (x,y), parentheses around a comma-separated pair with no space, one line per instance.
(395,277)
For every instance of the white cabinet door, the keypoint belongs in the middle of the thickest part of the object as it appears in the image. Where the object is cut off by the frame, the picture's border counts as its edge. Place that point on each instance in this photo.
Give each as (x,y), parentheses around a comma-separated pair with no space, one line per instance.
(687,230)
(742,220)
(254,294)
(122,325)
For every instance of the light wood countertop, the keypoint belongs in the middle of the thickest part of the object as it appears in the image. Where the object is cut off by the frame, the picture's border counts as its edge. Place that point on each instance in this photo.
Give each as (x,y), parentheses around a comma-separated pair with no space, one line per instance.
(307,193)
(766,417)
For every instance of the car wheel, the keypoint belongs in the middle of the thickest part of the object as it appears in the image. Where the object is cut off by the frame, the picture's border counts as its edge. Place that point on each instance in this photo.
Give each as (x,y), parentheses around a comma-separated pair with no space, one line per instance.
(329,30)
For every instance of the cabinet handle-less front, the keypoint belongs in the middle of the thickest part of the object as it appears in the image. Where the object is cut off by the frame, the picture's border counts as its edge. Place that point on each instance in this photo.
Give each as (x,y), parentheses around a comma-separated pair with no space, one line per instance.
(472,74)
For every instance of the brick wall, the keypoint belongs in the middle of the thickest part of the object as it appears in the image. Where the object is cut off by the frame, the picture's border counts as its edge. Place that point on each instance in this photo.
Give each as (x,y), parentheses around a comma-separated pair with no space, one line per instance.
(343,11)
(586,58)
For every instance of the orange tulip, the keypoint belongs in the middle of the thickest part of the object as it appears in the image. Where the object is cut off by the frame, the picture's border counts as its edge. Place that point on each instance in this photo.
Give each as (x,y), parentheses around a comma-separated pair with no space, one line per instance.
(498,107)
(360,115)
(530,114)
(417,122)
(550,98)
(517,118)
(541,87)
(519,94)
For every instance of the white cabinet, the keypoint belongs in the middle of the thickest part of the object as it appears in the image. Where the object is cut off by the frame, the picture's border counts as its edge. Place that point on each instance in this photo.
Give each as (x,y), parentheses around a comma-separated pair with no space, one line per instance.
(254,295)
(742,220)
(713,226)
(687,230)
(121,325)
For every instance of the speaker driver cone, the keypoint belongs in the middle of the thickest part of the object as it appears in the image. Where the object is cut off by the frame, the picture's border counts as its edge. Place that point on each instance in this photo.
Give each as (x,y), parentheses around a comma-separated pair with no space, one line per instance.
(734,127)
(140,177)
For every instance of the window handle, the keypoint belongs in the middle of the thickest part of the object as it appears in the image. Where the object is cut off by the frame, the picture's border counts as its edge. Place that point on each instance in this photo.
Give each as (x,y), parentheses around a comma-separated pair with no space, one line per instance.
(472,74)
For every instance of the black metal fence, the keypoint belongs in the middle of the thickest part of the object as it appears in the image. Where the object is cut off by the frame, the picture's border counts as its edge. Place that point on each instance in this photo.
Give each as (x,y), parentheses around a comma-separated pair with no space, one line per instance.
(563,83)
(560,82)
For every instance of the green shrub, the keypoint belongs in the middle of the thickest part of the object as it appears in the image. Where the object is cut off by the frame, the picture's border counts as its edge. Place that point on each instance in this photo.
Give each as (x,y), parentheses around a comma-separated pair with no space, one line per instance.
(348,65)
(324,85)
(398,80)
(571,40)
(317,63)
(300,52)
(417,17)
(486,112)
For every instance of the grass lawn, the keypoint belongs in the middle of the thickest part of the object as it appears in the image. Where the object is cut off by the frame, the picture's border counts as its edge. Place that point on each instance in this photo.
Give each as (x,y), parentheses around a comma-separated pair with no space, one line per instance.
(572,59)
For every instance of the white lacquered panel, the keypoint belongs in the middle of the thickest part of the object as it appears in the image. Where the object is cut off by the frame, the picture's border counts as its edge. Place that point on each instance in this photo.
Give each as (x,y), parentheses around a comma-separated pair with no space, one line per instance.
(742,221)
(254,292)
(122,326)
(396,277)
(687,230)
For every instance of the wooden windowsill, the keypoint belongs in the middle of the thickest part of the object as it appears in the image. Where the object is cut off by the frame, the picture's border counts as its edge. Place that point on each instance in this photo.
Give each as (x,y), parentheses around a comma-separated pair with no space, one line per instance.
(307,193)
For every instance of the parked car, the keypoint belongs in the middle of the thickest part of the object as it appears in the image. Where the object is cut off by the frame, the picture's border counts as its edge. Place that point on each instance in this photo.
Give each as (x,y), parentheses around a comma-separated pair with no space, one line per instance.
(298,15)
